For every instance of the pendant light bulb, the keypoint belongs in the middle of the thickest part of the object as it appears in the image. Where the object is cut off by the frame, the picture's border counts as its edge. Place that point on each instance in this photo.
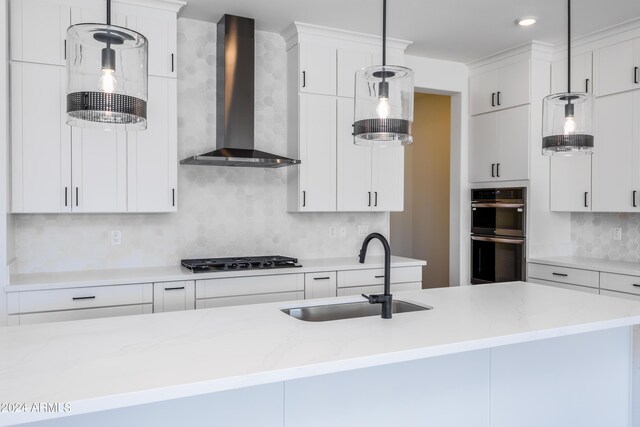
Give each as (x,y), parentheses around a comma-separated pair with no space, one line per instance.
(107,82)
(384,108)
(569,125)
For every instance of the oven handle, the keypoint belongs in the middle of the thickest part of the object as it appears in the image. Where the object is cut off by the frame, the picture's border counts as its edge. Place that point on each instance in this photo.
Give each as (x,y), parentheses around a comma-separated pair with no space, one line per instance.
(497,205)
(498,240)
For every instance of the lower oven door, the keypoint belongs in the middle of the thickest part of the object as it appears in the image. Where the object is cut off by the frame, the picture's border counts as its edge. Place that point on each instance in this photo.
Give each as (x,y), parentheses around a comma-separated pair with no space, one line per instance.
(496,259)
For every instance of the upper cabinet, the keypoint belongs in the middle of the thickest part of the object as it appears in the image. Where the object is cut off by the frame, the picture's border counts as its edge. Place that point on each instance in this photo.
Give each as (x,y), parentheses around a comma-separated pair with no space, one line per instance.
(581,74)
(335,174)
(499,88)
(617,67)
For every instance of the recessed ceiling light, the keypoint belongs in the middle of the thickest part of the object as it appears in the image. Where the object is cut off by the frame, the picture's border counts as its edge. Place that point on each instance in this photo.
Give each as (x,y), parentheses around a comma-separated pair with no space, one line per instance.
(526,21)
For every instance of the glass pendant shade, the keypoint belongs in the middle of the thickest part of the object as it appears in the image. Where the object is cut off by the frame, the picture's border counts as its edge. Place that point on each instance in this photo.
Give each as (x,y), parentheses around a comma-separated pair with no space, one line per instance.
(567,120)
(383,106)
(107,77)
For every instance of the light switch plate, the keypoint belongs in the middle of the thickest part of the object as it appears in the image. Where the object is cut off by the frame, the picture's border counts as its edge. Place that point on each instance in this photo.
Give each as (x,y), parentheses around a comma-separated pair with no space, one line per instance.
(116,237)
(616,233)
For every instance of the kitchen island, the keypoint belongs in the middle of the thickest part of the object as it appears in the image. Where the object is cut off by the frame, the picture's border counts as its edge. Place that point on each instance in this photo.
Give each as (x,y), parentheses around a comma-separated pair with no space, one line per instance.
(494,355)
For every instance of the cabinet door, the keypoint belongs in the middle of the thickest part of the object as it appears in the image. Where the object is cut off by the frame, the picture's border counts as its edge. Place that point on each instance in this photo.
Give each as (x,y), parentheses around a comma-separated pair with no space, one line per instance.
(99,170)
(570,183)
(159,27)
(581,74)
(482,89)
(613,158)
(38,31)
(483,147)
(354,164)
(350,61)
(320,285)
(173,296)
(40,140)
(513,85)
(152,154)
(614,68)
(317,153)
(513,139)
(387,179)
(317,69)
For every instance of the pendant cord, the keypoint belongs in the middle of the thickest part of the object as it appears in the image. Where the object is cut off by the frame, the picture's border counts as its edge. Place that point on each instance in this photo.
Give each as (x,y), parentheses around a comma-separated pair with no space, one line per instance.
(108,12)
(568,46)
(384,32)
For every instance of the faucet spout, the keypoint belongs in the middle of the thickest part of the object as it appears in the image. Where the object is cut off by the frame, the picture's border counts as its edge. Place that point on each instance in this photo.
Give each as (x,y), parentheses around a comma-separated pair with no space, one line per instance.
(386,299)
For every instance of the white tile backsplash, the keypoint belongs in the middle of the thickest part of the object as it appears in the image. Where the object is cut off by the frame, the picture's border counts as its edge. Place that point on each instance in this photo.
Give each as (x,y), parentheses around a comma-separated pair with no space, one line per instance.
(592,236)
(222,211)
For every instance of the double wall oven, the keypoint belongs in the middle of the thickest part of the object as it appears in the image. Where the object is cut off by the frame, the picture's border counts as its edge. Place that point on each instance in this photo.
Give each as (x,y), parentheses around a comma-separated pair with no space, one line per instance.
(498,232)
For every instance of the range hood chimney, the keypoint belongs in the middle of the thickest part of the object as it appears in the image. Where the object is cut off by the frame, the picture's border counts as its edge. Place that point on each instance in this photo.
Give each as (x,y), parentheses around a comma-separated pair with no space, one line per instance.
(235,64)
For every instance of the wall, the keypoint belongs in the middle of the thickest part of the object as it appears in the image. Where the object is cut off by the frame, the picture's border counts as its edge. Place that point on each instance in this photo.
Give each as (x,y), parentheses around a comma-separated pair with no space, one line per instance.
(592,236)
(422,230)
(6,235)
(222,211)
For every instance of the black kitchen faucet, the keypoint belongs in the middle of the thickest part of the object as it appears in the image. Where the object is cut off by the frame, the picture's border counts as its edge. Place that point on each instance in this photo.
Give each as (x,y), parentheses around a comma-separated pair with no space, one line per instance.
(386,299)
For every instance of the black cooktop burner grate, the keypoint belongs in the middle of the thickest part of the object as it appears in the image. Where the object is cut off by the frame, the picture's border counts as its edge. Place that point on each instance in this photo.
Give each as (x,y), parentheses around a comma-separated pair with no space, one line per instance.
(207,265)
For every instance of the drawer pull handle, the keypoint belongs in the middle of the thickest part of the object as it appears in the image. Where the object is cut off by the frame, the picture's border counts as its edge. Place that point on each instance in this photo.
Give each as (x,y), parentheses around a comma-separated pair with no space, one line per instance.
(177,288)
(380,277)
(636,285)
(83,298)
(560,274)
(321,278)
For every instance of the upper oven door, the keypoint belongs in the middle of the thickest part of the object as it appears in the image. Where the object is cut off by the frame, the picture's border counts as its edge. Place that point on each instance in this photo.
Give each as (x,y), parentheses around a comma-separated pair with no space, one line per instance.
(498,218)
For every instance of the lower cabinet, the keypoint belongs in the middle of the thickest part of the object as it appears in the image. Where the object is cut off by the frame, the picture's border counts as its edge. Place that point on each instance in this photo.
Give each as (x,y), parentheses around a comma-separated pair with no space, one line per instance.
(566,286)
(320,285)
(173,296)
(368,281)
(82,314)
(378,289)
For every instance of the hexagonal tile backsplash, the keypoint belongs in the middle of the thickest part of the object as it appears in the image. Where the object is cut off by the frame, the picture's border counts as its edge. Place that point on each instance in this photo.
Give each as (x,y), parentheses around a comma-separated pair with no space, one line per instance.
(592,237)
(222,211)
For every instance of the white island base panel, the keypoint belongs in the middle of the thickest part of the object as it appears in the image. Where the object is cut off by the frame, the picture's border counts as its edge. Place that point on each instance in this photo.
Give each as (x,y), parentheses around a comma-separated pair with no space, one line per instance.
(580,380)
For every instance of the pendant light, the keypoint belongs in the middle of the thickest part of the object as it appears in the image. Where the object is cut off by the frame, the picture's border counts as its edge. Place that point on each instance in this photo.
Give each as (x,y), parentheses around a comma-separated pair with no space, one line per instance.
(383,101)
(107,76)
(567,118)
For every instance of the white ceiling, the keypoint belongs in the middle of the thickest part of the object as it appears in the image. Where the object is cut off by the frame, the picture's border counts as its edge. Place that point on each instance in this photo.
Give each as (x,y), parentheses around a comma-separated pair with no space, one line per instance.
(459,30)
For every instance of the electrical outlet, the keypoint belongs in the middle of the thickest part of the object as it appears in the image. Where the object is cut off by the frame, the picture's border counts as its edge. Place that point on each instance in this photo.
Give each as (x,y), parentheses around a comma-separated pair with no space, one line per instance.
(116,237)
(363,230)
(343,231)
(333,231)
(616,233)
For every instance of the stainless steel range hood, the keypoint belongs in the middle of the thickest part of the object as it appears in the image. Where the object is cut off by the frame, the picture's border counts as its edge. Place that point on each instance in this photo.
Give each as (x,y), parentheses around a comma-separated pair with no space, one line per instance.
(235,101)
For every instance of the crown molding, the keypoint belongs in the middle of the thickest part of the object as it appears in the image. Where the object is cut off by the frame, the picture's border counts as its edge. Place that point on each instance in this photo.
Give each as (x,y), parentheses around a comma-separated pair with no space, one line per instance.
(536,49)
(169,5)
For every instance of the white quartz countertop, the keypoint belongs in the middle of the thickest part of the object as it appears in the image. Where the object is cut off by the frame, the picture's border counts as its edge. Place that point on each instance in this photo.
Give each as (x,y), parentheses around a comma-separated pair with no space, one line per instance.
(37,281)
(110,363)
(596,264)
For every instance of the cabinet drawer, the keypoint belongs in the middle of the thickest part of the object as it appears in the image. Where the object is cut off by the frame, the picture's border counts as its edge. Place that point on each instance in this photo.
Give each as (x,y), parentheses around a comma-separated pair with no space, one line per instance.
(375,276)
(86,313)
(573,276)
(320,285)
(378,289)
(620,283)
(74,298)
(635,297)
(565,286)
(249,299)
(253,285)
(173,296)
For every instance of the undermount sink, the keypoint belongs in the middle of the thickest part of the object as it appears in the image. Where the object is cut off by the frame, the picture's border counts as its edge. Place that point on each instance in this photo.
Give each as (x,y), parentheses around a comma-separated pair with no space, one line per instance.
(348,310)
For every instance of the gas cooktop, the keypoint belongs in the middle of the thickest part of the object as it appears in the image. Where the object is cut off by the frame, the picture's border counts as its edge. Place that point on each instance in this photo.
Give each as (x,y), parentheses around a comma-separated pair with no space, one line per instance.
(208,265)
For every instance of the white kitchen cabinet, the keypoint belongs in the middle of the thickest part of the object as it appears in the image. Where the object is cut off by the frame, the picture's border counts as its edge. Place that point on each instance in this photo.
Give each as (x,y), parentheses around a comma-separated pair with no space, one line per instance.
(616,174)
(616,67)
(581,74)
(500,88)
(82,314)
(249,299)
(38,31)
(320,285)
(568,275)
(152,179)
(316,68)
(349,62)
(570,189)
(315,189)
(615,294)
(387,179)
(375,276)
(174,296)
(568,286)
(40,140)
(620,283)
(378,289)
(499,145)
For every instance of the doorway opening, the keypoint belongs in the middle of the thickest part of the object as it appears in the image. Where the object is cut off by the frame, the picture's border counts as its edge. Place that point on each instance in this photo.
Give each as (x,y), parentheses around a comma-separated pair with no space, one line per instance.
(422,230)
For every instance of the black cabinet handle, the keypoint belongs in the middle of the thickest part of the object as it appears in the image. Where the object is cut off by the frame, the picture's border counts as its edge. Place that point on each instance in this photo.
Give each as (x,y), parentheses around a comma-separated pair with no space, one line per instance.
(636,285)
(560,274)
(586,85)
(173,197)
(177,288)
(66,196)
(635,205)
(65,49)
(83,298)
(379,277)
(493,170)
(498,167)
(76,196)
(586,199)
(304,79)
(636,75)
(321,278)
(304,199)
(498,98)
(375,198)
(172,63)
(493,99)
(369,199)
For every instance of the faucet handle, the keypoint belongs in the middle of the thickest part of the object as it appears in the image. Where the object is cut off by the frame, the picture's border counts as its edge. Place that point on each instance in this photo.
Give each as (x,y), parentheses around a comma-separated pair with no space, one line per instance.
(373,299)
